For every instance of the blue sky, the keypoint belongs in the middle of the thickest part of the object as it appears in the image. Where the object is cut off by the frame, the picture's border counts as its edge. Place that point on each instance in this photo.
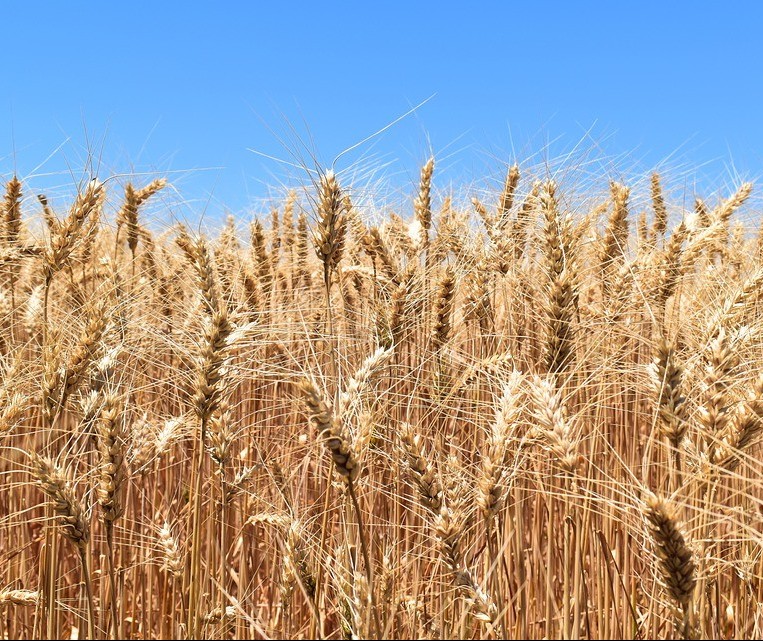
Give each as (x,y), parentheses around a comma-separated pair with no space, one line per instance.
(188,89)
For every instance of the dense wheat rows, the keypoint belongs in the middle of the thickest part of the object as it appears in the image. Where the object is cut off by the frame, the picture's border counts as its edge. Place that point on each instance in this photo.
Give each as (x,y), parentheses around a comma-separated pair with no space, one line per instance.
(532,415)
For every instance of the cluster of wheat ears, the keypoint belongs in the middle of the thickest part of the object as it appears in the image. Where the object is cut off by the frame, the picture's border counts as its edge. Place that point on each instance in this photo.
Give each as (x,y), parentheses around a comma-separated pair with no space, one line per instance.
(531,415)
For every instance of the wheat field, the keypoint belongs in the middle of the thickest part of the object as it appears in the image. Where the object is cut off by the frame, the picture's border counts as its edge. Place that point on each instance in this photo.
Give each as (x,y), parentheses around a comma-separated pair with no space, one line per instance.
(529,414)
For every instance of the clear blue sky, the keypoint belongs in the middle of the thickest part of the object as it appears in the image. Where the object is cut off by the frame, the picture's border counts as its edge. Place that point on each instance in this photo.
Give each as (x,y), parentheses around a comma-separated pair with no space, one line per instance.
(191,87)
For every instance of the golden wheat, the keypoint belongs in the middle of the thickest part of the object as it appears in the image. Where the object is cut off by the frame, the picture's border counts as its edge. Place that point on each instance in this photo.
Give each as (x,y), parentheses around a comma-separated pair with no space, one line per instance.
(450,418)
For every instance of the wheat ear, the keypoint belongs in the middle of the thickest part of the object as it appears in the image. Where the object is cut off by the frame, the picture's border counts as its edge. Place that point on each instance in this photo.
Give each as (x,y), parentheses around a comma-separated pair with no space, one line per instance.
(676,559)
(490,492)
(23,598)
(71,516)
(422,205)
